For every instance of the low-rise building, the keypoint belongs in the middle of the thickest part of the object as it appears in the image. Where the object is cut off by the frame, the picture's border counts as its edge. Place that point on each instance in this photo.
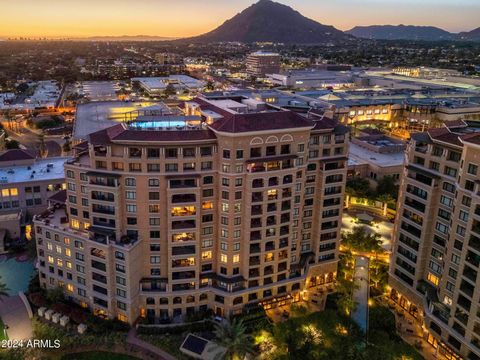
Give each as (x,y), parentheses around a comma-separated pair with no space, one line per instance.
(375,156)
(27,182)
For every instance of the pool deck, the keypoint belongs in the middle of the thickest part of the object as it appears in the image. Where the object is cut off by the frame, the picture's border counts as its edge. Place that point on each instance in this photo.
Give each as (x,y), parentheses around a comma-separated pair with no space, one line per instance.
(14,314)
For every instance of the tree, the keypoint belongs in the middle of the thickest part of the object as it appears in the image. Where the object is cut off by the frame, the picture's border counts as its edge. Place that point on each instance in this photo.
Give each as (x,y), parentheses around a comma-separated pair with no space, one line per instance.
(3,289)
(358,187)
(233,337)
(386,186)
(360,240)
(55,295)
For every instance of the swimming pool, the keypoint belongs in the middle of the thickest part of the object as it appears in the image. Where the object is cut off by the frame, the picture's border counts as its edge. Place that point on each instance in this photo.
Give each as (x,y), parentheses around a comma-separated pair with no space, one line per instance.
(166,124)
(16,272)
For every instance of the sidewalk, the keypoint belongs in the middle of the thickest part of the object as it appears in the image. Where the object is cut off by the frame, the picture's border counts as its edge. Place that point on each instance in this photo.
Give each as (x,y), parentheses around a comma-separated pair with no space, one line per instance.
(411,332)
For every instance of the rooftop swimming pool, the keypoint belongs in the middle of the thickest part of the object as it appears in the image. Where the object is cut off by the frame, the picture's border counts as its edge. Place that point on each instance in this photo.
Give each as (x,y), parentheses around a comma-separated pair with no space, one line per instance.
(165,125)
(16,272)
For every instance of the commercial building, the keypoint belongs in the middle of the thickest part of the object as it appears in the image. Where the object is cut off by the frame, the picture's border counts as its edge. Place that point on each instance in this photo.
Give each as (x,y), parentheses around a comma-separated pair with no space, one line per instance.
(306,79)
(157,85)
(236,204)
(261,63)
(436,254)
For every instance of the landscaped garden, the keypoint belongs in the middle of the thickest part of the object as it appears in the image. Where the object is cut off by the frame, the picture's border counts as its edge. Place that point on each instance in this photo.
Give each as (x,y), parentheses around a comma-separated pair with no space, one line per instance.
(3,332)
(95,355)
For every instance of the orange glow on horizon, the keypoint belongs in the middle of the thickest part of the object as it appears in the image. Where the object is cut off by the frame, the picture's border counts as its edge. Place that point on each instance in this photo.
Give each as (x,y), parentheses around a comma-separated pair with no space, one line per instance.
(182,18)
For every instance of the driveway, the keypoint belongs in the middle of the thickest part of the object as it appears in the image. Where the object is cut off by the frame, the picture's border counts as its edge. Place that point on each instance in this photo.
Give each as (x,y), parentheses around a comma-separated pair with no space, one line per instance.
(15,316)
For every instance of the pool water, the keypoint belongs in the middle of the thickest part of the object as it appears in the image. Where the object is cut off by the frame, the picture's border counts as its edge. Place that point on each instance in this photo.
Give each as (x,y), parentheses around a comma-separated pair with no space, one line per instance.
(16,272)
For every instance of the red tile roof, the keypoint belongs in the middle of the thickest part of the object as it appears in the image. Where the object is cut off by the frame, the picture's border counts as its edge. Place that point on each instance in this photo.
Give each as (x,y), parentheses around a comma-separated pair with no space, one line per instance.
(275,120)
(60,197)
(16,155)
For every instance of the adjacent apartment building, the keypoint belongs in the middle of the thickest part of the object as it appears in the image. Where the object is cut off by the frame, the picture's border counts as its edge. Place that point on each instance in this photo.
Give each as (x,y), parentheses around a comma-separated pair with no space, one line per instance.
(436,252)
(236,203)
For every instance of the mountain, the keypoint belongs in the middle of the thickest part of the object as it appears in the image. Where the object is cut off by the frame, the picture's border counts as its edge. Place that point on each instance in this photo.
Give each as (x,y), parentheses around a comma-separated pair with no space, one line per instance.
(268,21)
(401,32)
(473,35)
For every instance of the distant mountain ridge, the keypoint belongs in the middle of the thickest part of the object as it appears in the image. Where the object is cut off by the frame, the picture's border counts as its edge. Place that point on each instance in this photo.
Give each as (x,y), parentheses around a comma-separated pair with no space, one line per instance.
(268,21)
(401,32)
(473,35)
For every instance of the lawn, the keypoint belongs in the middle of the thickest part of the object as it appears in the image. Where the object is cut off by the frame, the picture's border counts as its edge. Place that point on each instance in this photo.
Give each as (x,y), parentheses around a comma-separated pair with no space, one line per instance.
(3,335)
(168,342)
(94,355)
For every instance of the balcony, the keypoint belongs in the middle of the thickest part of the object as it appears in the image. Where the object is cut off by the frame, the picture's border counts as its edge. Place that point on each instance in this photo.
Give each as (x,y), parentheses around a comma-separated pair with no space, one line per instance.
(254,260)
(98,195)
(183,211)
(183,198)
(103,209)
(183,250)
(183,237)
(153,285)
(187,224)
(183,262)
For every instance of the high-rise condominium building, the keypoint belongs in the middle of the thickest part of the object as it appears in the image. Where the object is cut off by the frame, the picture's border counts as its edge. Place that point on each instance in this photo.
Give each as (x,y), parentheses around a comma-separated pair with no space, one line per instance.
(436,257)
(261,63)
(223,206)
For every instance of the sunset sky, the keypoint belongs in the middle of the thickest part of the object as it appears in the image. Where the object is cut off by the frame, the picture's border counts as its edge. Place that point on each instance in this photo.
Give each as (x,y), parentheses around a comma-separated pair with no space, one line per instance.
(178,18)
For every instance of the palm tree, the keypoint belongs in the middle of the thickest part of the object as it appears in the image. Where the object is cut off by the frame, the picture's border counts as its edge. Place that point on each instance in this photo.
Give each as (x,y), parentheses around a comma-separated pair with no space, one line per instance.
(233,337)
(3,289)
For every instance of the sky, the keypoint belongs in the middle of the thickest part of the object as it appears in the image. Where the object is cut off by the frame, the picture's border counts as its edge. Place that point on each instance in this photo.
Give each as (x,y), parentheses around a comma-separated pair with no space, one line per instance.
(179,18)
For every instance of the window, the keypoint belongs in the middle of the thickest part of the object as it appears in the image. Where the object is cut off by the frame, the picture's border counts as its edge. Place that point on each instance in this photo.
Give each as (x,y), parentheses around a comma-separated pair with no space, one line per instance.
(449,187)
(226,154)
(171,153)
(171,167)
(472,169)
(239,154)
(131,208)
(155,259)
(450,171)
(130,182)
(130,195)
(447,201)
(463,215)
(153,182)
(433,279)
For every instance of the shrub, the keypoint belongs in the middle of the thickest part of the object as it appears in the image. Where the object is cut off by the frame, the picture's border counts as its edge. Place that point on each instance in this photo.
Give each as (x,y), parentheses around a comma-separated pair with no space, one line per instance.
(37,299)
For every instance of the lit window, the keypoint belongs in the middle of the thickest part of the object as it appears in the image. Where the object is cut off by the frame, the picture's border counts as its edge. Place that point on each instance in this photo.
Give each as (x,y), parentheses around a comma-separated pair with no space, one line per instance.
(223,258)
(59,249)
(269,257)
(86,225)
(68,252)
(70,288)
(14,192)
(69,264)
(206,255)
(236,258)
(60,262)
(5,192)
(183,211)
(206,205)
(66,241)
(49,246)
(75,224)
(433,279)
(50,259)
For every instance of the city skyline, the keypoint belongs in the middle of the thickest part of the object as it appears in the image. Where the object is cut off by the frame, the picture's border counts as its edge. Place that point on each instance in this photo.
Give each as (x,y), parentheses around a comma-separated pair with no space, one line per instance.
(161,18)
